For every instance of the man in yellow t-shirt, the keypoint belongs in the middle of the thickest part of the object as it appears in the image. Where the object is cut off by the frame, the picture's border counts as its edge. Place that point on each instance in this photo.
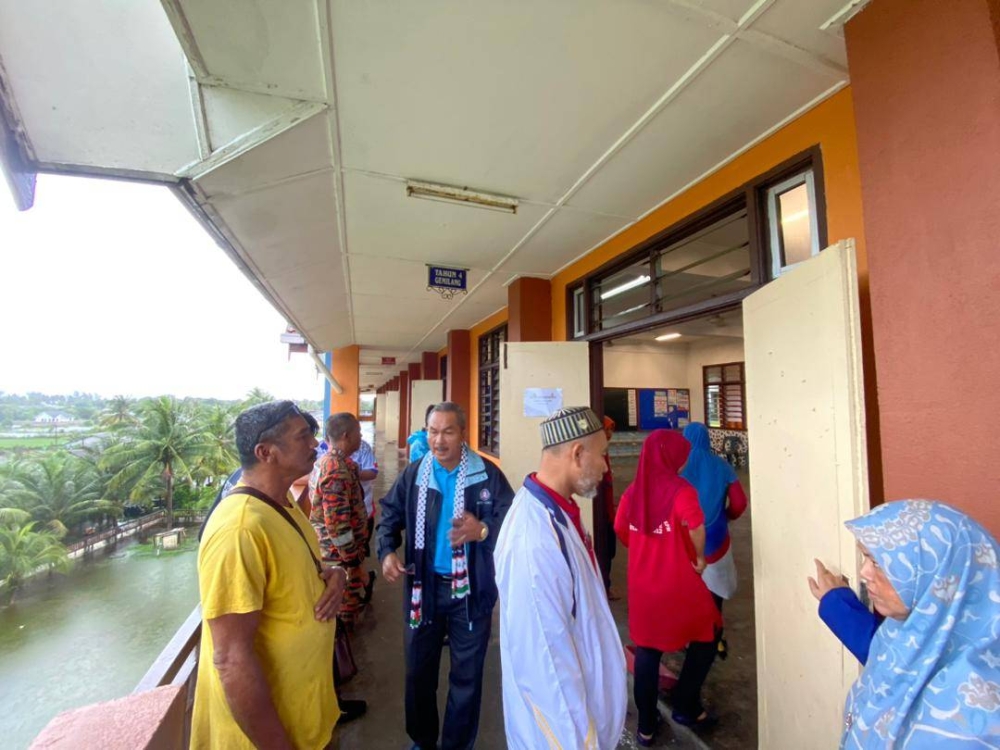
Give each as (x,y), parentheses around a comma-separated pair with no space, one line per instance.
(265,675)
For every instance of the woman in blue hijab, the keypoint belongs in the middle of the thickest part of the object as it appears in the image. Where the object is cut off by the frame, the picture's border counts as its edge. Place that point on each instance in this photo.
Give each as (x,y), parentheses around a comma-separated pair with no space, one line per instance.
(932,679)
(722,500)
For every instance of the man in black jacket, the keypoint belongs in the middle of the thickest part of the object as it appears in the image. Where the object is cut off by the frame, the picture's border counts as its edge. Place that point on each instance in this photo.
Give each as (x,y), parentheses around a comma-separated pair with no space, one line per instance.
(450,505)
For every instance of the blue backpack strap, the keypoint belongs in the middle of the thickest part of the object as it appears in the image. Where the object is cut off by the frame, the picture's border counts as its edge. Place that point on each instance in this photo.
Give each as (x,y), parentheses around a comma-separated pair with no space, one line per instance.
(558,519)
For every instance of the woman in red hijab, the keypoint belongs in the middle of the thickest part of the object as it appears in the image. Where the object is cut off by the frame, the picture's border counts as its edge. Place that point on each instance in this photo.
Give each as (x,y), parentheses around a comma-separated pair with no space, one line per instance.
(669,606)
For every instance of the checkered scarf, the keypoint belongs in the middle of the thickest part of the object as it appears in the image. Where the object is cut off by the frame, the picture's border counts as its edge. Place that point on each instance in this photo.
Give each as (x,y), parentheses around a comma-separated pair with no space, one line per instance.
(459,564)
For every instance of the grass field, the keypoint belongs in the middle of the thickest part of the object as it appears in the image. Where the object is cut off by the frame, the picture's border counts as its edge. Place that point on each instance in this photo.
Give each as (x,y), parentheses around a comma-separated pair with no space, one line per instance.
(37,441)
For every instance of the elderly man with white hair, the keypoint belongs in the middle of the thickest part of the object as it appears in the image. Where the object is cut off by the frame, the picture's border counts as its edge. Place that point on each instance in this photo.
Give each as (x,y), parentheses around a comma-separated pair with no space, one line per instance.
(562,661)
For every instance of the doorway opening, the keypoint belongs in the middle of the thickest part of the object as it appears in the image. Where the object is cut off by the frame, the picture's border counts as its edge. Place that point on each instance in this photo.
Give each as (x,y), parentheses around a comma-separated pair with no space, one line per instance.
(665,378)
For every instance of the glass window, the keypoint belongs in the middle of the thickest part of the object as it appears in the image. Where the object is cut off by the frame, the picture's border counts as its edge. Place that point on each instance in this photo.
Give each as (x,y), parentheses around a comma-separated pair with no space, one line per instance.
(579,313)
(621,296)
(490,346)
(793,221)
(725,394)
(706,264)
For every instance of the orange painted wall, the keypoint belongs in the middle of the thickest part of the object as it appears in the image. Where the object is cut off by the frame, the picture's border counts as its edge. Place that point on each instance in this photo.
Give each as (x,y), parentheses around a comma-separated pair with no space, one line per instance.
(829,124)
(483,326)
(345,370)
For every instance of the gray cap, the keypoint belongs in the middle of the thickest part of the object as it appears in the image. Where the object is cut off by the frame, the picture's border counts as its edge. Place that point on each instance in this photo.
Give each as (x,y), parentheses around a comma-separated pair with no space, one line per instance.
(571,423)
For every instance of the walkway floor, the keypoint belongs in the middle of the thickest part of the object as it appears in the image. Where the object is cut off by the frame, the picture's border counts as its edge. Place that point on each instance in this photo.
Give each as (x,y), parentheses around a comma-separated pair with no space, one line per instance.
(378,650)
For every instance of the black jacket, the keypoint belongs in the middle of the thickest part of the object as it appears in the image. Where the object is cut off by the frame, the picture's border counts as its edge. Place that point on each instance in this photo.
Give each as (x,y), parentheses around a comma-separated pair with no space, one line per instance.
(487,496)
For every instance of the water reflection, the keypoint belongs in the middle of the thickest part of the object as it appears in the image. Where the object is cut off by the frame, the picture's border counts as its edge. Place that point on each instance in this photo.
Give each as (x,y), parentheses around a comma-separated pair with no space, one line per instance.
(89,636)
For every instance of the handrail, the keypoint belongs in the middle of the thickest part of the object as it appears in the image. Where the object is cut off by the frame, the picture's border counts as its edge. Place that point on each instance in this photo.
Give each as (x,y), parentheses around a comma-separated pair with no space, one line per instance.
(136,523)
(177,661)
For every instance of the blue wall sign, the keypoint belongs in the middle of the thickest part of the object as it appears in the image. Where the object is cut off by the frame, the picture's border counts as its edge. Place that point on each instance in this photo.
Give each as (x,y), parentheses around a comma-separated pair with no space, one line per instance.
(447,281)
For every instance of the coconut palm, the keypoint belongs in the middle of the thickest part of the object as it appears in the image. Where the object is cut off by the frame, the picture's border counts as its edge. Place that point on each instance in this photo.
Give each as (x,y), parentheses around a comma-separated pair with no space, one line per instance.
(254,397)
(163,448)
(119,413)
(219,456)
(24,551)
(60,491)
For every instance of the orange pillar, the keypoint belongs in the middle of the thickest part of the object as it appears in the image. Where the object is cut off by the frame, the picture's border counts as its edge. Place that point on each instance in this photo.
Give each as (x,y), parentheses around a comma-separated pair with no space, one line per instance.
(345,370)
(429,365)
(925,83)
(404,407)
(460,368)
(529,310)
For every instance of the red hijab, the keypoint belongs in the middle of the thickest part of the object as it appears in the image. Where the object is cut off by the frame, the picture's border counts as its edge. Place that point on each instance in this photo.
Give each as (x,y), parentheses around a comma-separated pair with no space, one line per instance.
(656,479)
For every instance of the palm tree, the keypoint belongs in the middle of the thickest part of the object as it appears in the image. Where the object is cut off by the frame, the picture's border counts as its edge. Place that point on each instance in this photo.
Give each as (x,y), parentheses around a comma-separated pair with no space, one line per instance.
(219,457)
(24,551)
(164,447)
(254,397)
(59,491)
(119,413)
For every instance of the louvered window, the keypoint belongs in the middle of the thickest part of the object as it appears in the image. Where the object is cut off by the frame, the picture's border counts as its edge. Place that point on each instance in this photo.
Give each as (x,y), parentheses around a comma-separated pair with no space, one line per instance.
(725,396)
(490,345)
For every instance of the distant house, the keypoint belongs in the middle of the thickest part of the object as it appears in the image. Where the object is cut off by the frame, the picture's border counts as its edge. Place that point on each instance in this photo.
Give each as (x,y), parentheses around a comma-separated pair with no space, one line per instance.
(56,418)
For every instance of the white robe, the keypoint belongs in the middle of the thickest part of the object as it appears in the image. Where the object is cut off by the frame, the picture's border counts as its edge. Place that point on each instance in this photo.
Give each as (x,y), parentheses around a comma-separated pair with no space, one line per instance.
(564,683)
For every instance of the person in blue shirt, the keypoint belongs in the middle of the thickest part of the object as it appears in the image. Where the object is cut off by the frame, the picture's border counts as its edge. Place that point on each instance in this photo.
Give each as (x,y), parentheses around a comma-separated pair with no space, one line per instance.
(841,610)
(450,505)
(418,440)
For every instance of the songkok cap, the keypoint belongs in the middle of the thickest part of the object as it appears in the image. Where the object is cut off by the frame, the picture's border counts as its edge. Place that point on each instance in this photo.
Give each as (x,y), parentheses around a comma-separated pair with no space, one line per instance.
(568,424)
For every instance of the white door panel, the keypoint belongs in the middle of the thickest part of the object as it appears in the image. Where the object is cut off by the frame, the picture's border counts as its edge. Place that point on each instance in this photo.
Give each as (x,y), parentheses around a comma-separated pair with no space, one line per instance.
(808,473)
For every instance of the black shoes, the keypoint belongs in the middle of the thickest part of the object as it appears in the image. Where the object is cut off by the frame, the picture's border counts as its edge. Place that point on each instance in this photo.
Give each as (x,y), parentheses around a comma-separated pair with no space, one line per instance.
(351,710)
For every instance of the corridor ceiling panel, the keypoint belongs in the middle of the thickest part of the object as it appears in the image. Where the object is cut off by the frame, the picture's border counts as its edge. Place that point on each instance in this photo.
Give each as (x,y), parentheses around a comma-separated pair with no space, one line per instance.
(292,129)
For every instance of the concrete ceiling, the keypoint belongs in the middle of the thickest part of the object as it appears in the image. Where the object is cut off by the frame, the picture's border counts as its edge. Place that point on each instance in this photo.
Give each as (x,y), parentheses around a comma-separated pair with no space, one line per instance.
(291,128)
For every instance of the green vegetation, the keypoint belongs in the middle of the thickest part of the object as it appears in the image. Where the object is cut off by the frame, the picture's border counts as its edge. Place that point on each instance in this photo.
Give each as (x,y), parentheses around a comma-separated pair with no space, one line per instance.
(137,456)
(32,441)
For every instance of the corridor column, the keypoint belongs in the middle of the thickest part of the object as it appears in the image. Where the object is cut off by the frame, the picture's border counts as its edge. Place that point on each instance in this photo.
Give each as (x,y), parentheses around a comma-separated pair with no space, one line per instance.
(345,370)
(459,368)
(529,309)
(404,408)
(925,79)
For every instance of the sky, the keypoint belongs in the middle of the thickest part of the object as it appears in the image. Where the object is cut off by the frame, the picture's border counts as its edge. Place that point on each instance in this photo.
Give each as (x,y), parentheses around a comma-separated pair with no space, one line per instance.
(114,288)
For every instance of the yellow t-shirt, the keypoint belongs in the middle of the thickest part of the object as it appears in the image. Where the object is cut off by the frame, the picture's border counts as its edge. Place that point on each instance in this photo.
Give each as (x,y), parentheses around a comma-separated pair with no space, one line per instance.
(251,559)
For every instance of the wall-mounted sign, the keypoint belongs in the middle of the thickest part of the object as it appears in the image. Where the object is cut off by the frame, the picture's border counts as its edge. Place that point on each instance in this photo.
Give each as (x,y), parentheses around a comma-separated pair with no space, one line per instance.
(447,281)
(388,360)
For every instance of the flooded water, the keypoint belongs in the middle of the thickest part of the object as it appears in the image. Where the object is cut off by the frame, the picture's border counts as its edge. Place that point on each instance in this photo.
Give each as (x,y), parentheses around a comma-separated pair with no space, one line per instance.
(89,636)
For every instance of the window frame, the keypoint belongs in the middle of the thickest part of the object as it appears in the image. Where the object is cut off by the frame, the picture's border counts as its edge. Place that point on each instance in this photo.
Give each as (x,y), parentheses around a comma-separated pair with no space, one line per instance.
(489,346)
(742,382)
(752,196)
(772,210)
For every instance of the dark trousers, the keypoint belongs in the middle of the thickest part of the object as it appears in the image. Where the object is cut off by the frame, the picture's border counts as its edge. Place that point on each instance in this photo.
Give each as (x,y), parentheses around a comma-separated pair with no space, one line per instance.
(468,642)
(611,546)
(687,692)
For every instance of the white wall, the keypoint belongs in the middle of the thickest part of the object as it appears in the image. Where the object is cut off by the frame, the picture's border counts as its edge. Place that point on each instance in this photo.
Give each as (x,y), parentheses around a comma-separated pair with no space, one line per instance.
(703,353)
(629,365)
(669,365)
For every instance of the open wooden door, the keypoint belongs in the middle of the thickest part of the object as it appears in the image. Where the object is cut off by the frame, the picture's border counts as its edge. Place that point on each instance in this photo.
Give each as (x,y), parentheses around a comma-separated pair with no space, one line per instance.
(808,474)
(534,375)
(423,393)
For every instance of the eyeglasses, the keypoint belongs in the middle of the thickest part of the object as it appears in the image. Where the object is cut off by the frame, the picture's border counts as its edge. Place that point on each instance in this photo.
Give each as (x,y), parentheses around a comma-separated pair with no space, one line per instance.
(289,410)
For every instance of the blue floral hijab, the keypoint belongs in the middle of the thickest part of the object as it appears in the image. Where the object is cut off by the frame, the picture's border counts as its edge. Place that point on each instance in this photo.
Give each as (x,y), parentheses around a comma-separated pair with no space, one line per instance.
(933,679)
(711,476)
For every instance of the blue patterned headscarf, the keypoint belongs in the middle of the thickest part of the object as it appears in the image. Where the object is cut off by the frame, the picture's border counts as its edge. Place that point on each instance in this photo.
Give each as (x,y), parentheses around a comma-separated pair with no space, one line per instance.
(933,679)
(711,476)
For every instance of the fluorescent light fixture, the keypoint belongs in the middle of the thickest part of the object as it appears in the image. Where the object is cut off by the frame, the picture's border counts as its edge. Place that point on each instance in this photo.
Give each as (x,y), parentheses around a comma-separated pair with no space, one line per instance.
(447,194)
(795,216)
(668,337)
(624,287)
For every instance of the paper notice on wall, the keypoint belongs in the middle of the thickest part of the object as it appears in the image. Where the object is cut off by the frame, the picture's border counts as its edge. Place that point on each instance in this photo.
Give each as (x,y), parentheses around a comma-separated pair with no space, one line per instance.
(633,409)
(660,404)
(542,402)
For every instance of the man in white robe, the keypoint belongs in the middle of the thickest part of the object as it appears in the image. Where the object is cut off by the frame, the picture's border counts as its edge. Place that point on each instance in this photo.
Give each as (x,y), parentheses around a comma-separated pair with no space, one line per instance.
(563,665)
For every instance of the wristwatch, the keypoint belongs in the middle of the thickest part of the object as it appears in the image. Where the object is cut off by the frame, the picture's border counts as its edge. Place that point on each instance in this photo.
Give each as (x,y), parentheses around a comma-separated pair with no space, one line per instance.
(484,533)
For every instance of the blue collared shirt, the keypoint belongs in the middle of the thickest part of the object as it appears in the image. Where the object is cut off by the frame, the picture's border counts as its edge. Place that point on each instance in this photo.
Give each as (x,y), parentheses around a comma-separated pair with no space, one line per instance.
(446,482)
